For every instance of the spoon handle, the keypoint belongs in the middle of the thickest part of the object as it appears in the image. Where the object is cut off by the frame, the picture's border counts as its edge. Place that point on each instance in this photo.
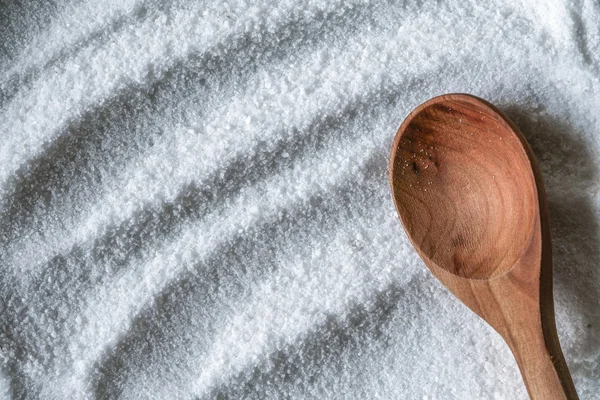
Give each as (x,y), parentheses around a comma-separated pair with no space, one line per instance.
(543,367)
(522,312)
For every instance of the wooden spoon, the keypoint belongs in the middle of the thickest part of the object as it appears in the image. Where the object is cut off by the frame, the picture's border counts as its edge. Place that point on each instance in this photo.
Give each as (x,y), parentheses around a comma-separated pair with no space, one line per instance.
(471,198)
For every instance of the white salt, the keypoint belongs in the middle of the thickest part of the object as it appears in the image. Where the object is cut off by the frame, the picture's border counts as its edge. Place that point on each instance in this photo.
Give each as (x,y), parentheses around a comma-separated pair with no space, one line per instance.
(194,199)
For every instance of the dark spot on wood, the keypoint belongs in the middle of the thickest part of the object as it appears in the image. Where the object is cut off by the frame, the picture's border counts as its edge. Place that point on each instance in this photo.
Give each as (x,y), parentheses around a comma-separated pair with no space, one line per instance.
(415,167)
(459,241)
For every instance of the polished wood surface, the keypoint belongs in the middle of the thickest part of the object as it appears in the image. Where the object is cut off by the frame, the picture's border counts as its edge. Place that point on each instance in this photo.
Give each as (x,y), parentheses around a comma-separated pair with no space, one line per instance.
(471,198)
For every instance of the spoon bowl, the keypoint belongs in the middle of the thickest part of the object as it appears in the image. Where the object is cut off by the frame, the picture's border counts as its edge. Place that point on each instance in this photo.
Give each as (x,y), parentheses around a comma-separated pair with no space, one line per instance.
(470,195)
(470,215)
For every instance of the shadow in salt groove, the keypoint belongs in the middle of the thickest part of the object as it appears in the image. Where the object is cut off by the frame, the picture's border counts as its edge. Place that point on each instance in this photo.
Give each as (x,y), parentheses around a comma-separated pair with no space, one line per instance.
(184,316)
(68,173)
(15,349)
(301,363)
(567,163)
(19,22)
(584,35)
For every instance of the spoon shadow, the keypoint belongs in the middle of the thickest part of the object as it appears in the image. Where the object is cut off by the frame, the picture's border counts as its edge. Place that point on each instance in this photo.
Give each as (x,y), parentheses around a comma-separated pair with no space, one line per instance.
(568,168)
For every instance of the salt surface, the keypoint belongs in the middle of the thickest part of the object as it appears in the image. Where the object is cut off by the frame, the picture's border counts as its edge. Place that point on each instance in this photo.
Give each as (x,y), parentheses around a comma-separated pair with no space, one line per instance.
(194,198)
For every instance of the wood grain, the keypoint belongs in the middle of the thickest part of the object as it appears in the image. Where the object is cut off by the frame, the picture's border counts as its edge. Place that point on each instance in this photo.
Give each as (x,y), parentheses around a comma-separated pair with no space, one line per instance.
(471,198)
